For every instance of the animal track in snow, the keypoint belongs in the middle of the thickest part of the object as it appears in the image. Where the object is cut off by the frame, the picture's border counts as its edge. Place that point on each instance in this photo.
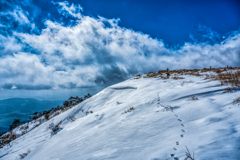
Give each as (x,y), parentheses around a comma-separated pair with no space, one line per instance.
(171,109)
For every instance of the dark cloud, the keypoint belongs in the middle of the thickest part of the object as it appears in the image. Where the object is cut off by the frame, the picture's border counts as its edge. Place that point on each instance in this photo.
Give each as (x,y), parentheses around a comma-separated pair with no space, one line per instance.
(26,87)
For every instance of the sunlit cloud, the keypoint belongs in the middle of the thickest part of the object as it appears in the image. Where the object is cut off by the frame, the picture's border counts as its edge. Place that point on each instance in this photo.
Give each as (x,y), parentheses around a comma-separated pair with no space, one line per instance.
(97,51)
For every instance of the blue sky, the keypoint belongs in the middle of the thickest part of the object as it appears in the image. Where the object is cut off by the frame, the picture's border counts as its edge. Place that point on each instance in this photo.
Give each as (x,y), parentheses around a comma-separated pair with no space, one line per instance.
(173,20)
(170,20)
(73,44)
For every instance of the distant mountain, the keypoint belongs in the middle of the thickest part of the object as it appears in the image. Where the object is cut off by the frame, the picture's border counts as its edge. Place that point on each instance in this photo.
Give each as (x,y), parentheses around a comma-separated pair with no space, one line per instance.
(22,108)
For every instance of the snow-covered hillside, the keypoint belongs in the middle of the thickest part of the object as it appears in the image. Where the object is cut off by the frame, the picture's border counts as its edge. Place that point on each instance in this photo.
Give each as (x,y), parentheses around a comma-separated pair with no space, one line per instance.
(141,119)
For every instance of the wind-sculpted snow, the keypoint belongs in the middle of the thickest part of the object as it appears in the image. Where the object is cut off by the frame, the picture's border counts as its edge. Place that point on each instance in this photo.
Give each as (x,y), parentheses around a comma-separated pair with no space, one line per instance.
(155,121)
(123,87)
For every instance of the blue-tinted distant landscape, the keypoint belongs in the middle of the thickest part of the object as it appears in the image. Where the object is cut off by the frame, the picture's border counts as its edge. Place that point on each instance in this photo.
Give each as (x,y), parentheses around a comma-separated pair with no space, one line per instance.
(31,101)
(22,108)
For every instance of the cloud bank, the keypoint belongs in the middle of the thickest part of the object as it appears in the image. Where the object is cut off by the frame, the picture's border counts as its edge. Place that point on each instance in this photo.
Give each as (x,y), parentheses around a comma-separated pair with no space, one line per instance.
(97,51)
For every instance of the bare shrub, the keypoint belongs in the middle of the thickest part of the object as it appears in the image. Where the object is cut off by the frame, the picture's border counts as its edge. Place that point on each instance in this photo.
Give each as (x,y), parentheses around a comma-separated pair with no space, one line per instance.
(51,125)
(167,107)
(24,132)
(5,140)
(21,156)
(188,155)
(40,121)
(182,83)
(24,127)
(12,136)
(46,116)
(56,128)
(71,118)
(193,98)
(118,103)
(138,76)
(236,101)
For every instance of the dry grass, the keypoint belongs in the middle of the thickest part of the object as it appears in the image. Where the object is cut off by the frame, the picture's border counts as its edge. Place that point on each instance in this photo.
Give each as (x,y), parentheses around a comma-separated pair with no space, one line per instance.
(56,128)
(224,75)
(177,77)
(232,78)
(228,89)
(183,82)
(188,155)
(194,72)
(22,156)
(167,107)
(226,78)
(161,73)
(211,76)
(236,101)
(71,118)
(129,110)
(218,70)
(193,98)
(138,77)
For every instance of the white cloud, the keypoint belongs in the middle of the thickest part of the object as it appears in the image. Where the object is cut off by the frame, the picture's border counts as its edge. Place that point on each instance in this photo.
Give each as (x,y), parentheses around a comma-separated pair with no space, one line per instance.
(14,87)
(97,51)
(66,9)
(18,14)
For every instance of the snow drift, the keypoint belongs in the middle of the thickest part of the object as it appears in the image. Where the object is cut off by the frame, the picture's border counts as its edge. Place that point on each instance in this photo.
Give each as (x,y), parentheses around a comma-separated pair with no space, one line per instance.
(142,119)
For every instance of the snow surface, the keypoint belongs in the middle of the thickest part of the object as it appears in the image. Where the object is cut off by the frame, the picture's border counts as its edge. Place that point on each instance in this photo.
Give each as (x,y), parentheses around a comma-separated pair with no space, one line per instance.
(209,126)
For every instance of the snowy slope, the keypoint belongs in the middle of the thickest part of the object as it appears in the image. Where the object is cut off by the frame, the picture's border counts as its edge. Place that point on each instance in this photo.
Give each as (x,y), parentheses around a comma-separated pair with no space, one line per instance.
(209,126)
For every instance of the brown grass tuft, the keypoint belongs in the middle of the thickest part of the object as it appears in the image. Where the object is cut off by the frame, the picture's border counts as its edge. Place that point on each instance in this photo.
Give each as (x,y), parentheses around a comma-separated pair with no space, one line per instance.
(177,77)
(129,110)
(232,78)
(193,98)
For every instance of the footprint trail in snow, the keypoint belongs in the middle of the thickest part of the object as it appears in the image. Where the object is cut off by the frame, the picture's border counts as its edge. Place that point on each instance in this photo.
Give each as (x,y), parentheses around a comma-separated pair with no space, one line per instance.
(166,108)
